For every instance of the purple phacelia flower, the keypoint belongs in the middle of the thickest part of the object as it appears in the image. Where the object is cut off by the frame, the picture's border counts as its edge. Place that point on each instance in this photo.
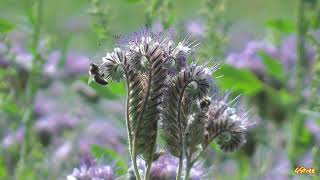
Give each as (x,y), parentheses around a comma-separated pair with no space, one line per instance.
(75,63)
(50,68)
(279,167)
(101,133)
(288,52)
(314,129)
(195,28)
(90,170)
(306,160)
(54,123)
(13,138)
(61,154)
(43,104)
(249,58)
(165,168)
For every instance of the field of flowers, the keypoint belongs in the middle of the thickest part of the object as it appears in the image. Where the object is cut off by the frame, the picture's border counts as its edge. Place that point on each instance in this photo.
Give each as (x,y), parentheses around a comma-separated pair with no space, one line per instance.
(159,90)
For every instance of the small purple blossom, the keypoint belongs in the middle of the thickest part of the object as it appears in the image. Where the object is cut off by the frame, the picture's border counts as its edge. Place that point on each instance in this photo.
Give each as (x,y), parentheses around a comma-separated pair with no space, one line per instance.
(53,123)
(195,28)
(101,133)
(89,170)
(43,104)
(165,168)
(75,63)
(62,153)
(249,59)
(288,53)
(314,129)
(306,160)
(279,168)
(13,138)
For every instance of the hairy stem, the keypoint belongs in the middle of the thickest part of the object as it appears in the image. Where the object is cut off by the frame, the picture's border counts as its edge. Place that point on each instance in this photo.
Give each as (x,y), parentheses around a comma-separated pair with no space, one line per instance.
(188,169)
(127,114)
(149,164)
(133,159)
(144,104)
(181,132)
(180,167)
(147,172)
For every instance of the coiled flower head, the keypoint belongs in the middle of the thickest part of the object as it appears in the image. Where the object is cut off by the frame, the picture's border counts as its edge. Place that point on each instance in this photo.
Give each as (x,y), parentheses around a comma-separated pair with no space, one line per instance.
(226,125)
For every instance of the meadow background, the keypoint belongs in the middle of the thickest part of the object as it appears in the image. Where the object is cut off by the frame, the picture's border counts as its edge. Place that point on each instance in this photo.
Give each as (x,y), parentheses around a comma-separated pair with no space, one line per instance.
(50,117)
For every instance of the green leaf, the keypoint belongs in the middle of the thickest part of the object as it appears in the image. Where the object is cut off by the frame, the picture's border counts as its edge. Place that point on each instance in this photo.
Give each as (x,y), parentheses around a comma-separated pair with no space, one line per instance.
(117,88)
(238,80)
(110,155)
(281,25)
(2,168)
(168,21)
(5,26)
(113,90)
(272,66)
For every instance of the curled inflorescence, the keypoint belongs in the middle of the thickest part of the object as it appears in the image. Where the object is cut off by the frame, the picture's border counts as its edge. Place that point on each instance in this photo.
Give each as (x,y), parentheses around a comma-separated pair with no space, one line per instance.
(165,87)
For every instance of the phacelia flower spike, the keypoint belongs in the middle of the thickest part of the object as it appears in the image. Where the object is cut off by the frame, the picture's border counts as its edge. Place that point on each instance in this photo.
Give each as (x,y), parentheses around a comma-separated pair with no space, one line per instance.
(165,88)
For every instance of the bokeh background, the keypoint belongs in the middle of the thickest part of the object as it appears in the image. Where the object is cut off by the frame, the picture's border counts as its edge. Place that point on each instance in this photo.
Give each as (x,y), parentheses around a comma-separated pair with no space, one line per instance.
(50,117)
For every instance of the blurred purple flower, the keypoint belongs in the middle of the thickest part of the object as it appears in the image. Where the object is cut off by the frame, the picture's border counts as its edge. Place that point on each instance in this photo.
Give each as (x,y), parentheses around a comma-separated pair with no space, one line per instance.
(62,154)
(165,169)
(89,170)
(51,66)
(43,104)
(13,138)
(314,129)
(249,59)
(157,27)
(75,64)
(78,23)
(288,53)
(306,160)
(279,168)
(101,133)
(195,28)
(54,123)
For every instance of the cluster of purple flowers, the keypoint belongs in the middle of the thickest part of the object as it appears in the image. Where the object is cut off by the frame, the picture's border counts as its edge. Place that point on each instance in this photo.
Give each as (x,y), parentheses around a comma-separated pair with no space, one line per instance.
(75,63)
(165,168)
(90,170)
(286,54)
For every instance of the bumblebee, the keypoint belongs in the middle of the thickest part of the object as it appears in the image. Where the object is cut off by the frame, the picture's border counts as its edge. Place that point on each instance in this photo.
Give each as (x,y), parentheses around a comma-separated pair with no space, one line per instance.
(204,104)
(96,74)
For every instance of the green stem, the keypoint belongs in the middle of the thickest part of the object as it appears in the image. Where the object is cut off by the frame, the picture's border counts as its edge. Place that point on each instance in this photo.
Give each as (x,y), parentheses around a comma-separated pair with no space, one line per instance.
(127,114)
(301,68)
(188,169)
(32,85)
(179,167)
(133,158)
(147,172)
(144,104)
(135,167)
(181,133)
